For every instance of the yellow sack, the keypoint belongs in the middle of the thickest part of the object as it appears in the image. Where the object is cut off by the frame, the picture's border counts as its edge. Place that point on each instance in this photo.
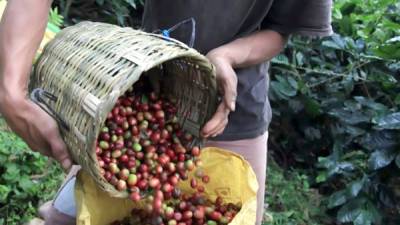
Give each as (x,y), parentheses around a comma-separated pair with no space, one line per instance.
(231,177)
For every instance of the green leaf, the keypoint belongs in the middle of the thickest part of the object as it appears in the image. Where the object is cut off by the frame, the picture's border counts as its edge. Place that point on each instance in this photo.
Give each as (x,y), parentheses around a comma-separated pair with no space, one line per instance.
(359,211)
(349,117)
(391,121)
(4,191)
(337,198)
(132,3)
(371,104)
(397,99)
(354,131)
(26,184)
(337,14)
(312,107)
(55,19)
(284,86)
(3,159)
(322,177)
(381,158)
(364,218)
(100,2)
(355,187)
(12,172)
(312,133)
(340,168)
(346,26)
(331,44)
(53,28)
(348,8)
(300,58)
(379,140)
(345,167)
(390,24)
(325,162)
(339,41)
(398,160)
(292,82)
(390,50)
(280,59)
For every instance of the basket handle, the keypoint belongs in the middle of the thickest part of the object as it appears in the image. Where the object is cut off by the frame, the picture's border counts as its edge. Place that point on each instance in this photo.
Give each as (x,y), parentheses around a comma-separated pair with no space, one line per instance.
(166,32)
(38,95)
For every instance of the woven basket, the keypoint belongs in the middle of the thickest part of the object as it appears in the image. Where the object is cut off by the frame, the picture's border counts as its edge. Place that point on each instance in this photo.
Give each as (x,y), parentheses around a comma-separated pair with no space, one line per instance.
(89,65)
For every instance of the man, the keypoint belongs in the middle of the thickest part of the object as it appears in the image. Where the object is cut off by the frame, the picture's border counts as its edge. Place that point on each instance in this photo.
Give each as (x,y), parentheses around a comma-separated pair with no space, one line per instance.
(239,37)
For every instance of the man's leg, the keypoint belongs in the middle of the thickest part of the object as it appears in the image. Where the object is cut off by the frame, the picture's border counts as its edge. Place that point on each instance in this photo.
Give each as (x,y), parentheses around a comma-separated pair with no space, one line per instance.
(255,152)
(62,210)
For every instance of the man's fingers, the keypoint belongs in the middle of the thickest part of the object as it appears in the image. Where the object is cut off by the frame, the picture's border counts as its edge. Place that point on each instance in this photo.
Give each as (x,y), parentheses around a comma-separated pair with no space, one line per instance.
(220,115)
(228,81)
(230,99)
(222,121)
(37,144)
(219,129)
(60,153)
(210,126)
(227,86)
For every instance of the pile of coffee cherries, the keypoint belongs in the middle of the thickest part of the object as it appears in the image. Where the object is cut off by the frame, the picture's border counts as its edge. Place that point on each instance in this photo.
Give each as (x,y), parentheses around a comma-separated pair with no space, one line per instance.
(142,149)
(187,210)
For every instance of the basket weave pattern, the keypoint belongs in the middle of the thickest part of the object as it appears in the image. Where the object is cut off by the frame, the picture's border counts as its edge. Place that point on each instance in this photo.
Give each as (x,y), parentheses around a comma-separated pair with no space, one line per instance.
(89,65)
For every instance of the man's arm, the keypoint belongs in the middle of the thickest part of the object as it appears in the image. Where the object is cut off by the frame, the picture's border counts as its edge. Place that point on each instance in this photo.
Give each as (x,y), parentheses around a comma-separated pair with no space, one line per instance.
(21,31)
(243,52)
(251,50)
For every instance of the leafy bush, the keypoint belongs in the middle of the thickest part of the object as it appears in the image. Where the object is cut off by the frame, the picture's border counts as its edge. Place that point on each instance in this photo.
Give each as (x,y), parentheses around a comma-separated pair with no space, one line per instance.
(122,12)
(26,179)
(290,199)
(336,107)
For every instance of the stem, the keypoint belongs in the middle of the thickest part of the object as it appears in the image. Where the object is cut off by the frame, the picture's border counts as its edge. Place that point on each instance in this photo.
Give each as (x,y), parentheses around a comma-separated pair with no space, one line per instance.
(67,7)
(337,75)
(365,88)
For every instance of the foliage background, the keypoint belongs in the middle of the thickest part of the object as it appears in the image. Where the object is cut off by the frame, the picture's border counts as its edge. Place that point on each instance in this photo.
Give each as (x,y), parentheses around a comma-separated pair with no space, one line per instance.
(334,149)
(335,103)
(27,179)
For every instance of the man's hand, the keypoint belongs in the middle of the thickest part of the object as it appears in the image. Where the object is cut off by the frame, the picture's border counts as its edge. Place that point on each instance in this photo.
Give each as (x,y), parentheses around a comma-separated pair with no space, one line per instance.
(35,127)
(21,31)
(240,53)
(227,84)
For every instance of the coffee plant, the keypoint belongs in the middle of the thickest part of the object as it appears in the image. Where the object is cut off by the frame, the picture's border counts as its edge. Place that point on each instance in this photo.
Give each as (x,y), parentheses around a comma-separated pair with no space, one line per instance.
(336,111)
(26,179)
(121,12)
